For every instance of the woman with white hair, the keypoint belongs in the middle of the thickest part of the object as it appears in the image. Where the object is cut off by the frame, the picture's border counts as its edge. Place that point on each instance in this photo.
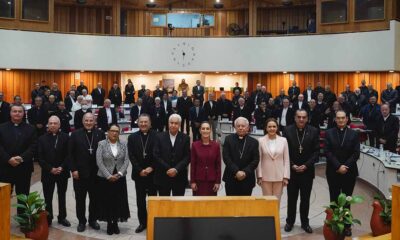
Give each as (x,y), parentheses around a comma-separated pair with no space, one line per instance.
(158,116)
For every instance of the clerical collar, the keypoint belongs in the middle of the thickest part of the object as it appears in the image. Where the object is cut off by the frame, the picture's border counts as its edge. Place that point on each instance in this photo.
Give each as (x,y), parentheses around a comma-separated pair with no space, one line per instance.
(341,129)
(88,130)
(300,129)
(144,133)
(240,137)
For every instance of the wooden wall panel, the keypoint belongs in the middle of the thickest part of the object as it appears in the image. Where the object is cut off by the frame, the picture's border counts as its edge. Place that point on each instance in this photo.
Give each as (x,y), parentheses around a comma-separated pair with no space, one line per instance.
(270,19)
(351,25)
(338,80)
(21,82)
(82,19)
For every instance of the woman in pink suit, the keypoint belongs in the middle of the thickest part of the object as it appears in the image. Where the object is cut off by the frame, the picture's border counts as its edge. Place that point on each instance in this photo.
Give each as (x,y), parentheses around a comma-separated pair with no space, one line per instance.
(205,164)
(273,171)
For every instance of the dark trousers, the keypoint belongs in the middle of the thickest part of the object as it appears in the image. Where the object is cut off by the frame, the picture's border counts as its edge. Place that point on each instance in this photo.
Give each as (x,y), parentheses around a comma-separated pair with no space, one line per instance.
(339,183)
(237,188)
(302,184)
(48,190)
(144,187)
(372,139)
(185,119)
(22,183)
(83,187)
(176,188)
(196,133)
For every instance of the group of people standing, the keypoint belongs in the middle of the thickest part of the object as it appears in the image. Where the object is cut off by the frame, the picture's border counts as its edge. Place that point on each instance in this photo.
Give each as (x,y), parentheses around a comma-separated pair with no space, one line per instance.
(98,162)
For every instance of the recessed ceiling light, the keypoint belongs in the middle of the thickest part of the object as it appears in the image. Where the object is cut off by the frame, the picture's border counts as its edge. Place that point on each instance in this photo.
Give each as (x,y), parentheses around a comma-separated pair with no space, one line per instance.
(8,69)
(150,71)
(235,73)
(82,70)
(391,71)
(358,72)
(216,72)
(284,72)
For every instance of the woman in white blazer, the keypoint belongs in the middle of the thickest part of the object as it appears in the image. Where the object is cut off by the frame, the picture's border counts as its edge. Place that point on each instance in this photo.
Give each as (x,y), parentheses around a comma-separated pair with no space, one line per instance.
(273,171)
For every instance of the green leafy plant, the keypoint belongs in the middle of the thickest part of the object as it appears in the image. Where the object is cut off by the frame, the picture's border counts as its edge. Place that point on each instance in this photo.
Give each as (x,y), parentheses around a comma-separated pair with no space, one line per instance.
(386,213)
(342,215)
(31,206)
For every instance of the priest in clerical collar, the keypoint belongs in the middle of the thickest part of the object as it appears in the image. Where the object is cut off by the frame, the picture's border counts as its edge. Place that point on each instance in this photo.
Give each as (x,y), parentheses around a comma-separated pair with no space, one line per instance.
(241,156)
(303,141)
(342,148)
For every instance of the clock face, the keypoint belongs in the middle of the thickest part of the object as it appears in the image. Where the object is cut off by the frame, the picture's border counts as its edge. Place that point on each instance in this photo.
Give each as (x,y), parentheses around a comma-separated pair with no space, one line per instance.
(183,54)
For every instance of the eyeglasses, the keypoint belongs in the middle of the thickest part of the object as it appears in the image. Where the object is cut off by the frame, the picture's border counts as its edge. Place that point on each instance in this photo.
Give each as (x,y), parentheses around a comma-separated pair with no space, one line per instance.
(114,131)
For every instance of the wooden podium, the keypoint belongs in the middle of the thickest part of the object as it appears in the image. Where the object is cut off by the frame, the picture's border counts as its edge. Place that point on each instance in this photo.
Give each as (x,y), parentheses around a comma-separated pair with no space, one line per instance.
(5,190)
(198,207)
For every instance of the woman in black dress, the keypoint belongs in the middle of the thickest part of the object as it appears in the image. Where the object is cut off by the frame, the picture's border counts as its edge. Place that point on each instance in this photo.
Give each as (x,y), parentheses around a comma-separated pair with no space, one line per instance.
(112,160)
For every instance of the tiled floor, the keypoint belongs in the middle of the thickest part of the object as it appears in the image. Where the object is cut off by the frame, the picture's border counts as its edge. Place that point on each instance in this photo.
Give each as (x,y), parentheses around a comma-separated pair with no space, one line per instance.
(319,198)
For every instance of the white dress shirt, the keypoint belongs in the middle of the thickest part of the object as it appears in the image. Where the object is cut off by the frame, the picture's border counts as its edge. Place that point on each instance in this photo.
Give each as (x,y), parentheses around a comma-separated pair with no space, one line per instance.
(283,117)
(173,138)
(114,149)
(308,95)
(109,116)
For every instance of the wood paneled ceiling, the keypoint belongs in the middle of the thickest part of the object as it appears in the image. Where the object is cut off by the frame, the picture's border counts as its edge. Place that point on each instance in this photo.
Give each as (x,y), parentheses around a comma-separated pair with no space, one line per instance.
(188,4)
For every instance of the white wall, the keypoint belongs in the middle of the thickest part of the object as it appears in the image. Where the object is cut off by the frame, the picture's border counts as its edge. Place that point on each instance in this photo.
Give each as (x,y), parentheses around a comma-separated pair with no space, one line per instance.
(396,26)
(363,51)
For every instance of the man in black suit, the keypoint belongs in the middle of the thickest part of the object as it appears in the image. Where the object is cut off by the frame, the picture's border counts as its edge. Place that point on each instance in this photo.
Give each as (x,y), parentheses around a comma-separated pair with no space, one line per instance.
(82,149)
(342,148)
(136,111)
(107,116)
(196,116)
(172,156)
(211,113)
(158,92)
(78,116)
(357,102)
(147,100)
(314,115)
(115,95)
(363,88)
(53,153)
(224,107)
(17,147)
(198,92)
(309,94)
(347,94)
(256,95)
(241,156)
(261,114)
(167,105)
(388,129)
(329,96)
(319,89)
(373,92)
(64,117)
(56,93)
(390,96)
(235,98)
(183,105)
(98,95)
(81,87)
(265,95)
(303,142)
(157,114)
(300,103)
(371,114)
(70,100)
(36,92)
(285,115)
(241,111)
(237,88)
(321,105)
(4,109)
(37,116)
(293,92)
(140,148)
(142,91)
(278,101)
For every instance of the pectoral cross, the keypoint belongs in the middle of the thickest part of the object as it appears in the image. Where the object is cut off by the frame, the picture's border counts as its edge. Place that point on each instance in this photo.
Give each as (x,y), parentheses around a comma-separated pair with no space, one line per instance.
(144,155)
(300,149)
(91,151)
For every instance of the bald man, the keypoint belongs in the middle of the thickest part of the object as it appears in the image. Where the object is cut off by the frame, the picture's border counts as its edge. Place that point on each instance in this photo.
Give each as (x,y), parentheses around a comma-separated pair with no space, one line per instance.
(53,152)
(82,149)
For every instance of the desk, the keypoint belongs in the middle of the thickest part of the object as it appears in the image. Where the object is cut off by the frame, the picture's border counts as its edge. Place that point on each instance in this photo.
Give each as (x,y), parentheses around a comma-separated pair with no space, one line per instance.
(377,171)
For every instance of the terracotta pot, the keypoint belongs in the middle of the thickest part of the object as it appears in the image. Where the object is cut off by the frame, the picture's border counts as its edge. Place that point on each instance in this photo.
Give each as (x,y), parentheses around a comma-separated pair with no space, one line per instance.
(378,227)
(41,231)
(328,233)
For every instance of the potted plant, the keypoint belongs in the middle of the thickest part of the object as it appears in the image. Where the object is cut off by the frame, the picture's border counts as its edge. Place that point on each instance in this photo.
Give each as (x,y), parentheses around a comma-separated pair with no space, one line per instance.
(33,216)
(338,215)
(381,218)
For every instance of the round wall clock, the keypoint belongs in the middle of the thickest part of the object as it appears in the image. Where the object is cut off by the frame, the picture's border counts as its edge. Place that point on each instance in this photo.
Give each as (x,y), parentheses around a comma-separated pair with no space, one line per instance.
(183,54)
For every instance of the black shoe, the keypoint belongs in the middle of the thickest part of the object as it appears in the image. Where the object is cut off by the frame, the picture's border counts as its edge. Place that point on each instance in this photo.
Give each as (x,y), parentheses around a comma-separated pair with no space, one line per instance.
(288,227)
(116,228)
(81,227)
(64,222)
(347,232)
(141,228)
(307,228)
(110,227)
(49,221)
(94,225)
